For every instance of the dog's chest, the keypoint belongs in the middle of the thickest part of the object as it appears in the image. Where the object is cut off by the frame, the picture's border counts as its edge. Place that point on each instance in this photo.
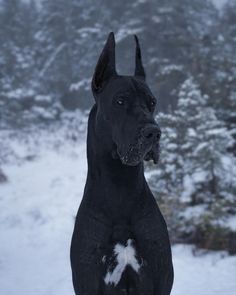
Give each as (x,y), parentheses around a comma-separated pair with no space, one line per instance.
(121,256)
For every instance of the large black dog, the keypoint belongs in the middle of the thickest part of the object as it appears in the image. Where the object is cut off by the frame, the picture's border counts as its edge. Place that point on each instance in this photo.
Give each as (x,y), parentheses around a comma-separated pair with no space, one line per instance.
(120,243)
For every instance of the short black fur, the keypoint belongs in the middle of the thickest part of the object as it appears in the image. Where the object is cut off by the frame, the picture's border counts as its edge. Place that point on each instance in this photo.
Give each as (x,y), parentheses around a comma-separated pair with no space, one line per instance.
(118,205)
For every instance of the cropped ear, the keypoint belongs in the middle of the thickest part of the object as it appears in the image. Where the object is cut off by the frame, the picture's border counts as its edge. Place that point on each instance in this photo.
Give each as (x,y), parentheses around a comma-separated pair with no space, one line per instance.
(106,65)
(139,70)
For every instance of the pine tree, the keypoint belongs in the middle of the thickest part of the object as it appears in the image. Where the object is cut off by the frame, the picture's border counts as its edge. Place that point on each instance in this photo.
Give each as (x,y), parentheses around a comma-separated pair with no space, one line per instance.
(195,178)
(166,180)
(54,57)
(17,49)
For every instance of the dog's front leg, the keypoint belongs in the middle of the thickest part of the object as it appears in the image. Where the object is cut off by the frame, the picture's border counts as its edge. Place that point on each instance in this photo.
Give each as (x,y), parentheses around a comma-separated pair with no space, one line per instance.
(151,234)
(86,255)
(85,279)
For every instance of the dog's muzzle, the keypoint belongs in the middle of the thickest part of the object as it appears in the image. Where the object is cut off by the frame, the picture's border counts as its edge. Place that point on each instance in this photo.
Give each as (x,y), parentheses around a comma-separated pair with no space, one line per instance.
(151,133)
(146,146)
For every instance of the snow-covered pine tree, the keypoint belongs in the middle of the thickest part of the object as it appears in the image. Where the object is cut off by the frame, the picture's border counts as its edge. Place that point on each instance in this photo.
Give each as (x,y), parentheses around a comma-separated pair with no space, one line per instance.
(166,179)
(204,147)
(209,177)
(214,180)
(53,38)
(17,51)
(195,178)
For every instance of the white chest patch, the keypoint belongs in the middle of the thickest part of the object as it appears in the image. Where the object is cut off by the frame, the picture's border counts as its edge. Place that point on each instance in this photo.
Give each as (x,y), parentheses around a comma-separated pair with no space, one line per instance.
(125,255)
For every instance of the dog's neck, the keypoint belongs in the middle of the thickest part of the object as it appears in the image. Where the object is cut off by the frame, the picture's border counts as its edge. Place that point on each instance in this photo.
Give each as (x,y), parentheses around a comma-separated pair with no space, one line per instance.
(104,169)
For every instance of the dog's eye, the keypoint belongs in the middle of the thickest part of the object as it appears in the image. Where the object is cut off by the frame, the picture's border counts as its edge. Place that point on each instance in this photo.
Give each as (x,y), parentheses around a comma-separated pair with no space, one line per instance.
(120,101)
(153,103)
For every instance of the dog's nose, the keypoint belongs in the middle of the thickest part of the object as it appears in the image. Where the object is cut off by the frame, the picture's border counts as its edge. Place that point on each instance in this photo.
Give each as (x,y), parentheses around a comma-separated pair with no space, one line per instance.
(151,132)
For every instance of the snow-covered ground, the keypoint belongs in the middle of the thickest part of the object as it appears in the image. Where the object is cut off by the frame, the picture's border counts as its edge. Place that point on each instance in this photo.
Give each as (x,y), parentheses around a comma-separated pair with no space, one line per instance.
(45,184)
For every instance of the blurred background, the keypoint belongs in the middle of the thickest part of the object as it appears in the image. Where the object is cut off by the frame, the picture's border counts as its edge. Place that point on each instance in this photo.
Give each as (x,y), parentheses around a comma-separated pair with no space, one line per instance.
(48,51)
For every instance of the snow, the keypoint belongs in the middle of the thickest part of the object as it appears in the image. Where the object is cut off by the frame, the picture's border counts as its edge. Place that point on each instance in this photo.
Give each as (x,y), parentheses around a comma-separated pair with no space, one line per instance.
(231,223)
(193,212)
(19,93)
(122,33)
(201,146)
(43,98)
(199,176)
(188,189)
(206,273)
(166,70)
(84,84)
(216,131)
(156,19)
(88,30)
(219,3)
(38,204)
(43,113)
(51,59)
(192,132)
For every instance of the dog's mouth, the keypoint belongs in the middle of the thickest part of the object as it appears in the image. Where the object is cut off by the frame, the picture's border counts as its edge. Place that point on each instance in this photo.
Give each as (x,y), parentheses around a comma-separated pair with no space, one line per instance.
(138,152)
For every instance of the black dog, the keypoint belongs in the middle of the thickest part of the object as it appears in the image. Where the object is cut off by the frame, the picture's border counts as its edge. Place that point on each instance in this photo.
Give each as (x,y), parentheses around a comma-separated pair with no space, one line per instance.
(120,243)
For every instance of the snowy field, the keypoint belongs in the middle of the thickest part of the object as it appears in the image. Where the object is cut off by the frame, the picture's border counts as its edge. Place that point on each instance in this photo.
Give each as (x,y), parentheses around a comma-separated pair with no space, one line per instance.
(46,173)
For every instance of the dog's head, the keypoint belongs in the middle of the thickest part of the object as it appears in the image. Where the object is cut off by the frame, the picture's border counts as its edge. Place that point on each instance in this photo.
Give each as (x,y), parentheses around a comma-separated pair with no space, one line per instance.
(126,105)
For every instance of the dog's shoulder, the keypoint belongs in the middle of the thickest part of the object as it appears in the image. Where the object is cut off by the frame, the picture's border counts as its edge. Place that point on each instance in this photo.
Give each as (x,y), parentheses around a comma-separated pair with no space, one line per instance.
(148,221)
(91,233)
